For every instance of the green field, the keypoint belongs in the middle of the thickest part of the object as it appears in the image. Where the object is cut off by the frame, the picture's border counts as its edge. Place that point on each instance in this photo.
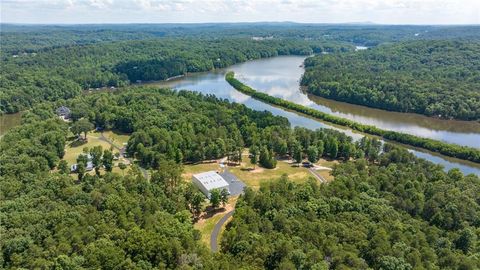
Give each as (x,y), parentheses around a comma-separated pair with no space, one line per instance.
(118,138)
(253,178)
(73,149)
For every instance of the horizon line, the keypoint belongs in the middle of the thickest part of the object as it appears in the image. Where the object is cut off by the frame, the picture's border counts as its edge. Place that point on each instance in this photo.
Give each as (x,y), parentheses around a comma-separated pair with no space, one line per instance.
(366,23)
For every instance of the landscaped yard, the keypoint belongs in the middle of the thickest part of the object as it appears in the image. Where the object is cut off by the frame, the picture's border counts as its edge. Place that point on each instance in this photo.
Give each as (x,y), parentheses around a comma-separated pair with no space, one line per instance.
(74,148)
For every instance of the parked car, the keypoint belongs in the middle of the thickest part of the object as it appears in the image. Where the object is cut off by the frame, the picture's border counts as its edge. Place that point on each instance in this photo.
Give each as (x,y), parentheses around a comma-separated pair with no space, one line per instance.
(307,164)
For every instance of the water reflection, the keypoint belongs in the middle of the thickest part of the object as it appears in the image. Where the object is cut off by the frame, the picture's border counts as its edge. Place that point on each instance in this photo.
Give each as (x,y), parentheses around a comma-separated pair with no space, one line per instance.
(279,76)
(281,79)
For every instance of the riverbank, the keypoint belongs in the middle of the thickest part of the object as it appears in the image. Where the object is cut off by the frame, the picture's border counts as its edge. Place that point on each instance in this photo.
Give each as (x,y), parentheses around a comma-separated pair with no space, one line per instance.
(451,150)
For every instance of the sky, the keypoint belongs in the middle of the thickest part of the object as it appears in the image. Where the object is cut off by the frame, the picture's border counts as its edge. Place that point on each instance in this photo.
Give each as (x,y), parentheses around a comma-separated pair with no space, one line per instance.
(199,11)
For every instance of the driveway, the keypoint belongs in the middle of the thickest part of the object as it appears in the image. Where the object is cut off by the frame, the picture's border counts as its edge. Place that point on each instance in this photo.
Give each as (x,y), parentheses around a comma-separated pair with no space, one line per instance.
(236,186)
(216,231)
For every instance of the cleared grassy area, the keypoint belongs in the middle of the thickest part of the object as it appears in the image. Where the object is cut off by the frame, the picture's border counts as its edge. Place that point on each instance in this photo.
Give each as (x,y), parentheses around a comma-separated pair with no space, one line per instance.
(327,163)
(253,178)
(116,169)
(326,174)
(118,138)
(191,169)
(73,148)
(206,225)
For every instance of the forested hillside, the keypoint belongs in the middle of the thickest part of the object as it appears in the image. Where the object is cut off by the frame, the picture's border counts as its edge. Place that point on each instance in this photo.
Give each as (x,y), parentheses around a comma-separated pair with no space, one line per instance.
(452,150)
(17,39)
(388,211)
(61,73)
(396,213)
(435,78)
(356,204)
(50,220)
(187,127)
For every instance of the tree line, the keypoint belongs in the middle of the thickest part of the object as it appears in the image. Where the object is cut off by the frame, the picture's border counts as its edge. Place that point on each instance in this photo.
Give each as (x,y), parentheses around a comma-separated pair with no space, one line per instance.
(190,128)
(393,212)
(18,39)
(434,78)
(382,210)
(58,73)
(452,150)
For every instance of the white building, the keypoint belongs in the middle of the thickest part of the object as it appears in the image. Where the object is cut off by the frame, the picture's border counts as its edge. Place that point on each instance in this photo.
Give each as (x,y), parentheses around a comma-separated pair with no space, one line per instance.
(207,181)
(89,167)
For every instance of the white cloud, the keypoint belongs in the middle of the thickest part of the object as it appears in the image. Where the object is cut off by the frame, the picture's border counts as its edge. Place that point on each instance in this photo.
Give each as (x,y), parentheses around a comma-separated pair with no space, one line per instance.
(320,11)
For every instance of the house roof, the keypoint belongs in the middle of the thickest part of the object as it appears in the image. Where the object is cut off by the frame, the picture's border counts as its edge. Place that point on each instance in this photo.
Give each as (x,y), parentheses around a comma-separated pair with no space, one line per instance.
(63,110)
(211,180)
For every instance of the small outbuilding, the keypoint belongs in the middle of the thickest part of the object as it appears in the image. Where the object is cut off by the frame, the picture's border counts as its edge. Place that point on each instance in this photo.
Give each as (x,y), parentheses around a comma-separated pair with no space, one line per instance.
(89,167)
(208,181)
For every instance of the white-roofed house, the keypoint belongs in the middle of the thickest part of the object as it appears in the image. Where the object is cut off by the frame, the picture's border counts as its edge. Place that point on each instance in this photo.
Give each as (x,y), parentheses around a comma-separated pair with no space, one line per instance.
(208,181)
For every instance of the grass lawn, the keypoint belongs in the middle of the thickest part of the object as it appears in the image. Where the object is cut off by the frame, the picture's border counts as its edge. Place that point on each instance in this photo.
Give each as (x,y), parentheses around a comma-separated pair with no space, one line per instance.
(191,169)
(326,174)
(73,149)
(118,138)
(116,169)
(327,163)
(253,178)
(206,225)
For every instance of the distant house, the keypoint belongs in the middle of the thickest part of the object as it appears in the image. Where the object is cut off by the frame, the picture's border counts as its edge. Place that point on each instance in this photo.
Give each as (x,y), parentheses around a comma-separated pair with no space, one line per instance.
(208,181)
(89,167)
(63,112)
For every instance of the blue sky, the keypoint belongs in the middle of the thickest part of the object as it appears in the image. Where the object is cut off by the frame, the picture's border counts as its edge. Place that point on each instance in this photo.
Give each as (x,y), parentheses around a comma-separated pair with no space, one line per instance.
(191,11)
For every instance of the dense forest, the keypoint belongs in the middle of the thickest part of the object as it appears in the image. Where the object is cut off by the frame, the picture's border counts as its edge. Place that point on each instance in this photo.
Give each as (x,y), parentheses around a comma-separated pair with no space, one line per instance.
(50,221)
(109,221)
(384,211)
(448,149)
(187,127)
(396,213)
(17,39)
(435,78)
(61,73)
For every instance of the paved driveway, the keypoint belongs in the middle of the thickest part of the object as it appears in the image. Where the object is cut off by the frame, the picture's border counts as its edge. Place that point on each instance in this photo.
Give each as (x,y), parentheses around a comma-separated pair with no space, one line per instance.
(236,186)
(216,231)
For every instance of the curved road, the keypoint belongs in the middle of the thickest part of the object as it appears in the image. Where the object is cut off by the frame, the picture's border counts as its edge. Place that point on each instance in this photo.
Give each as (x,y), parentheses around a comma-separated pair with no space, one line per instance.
(216,231)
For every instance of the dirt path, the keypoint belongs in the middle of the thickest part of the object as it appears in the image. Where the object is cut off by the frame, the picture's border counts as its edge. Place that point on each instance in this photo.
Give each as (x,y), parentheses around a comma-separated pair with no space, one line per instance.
(317,175)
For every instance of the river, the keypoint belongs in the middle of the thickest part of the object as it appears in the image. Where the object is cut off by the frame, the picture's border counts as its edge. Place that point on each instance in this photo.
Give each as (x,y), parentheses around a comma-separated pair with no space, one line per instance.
(279,76)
